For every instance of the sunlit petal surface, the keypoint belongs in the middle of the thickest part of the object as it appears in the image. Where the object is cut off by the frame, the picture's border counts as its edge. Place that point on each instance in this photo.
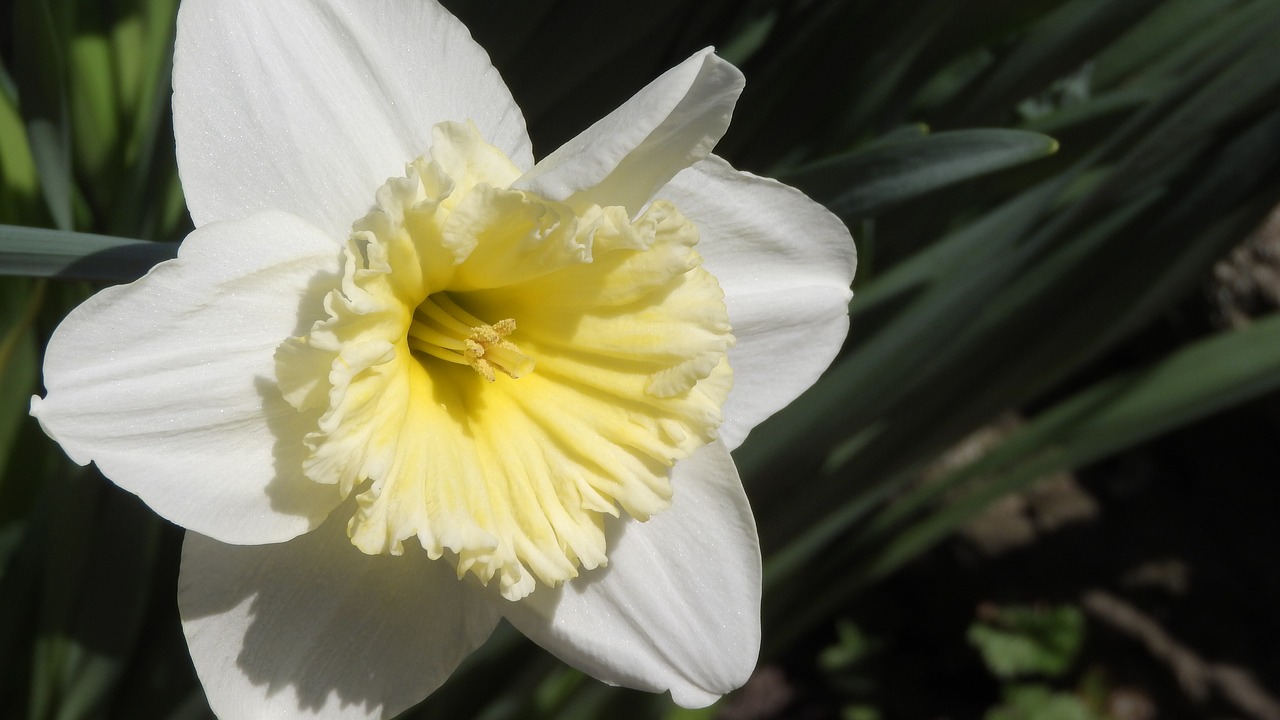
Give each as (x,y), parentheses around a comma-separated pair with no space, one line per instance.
(626,156)
(785,263)
(169,385)
(309,105)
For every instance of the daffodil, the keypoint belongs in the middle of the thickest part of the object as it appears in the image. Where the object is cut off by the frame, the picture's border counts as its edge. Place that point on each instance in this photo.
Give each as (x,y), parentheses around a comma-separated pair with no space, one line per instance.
(402,382)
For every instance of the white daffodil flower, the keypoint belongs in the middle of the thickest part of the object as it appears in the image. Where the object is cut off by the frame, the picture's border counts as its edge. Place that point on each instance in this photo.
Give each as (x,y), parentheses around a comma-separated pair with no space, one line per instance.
(391,412)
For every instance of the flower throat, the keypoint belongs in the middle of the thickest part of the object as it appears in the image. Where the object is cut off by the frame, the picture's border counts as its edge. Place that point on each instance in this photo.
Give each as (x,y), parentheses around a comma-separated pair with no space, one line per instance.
(442,329)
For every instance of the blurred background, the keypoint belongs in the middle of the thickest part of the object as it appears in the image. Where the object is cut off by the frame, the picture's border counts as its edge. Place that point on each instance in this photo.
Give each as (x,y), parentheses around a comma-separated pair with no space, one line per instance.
(1039,482)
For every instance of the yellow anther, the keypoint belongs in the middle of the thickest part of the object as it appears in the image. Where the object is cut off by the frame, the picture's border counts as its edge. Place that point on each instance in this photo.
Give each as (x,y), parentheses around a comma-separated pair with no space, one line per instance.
(487,348)
(444,330)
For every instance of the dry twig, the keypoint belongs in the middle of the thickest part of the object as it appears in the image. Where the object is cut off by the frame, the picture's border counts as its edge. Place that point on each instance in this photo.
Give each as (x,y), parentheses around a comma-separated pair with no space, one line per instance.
(1196,676)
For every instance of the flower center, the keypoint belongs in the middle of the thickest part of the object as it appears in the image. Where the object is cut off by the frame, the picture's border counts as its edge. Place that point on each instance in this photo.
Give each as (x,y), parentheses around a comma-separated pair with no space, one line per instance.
(443,330)
(509,482)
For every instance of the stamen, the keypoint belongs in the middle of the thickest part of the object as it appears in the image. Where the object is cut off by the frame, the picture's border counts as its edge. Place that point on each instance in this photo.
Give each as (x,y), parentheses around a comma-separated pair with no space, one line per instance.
(431,310)
(443,330)
(448,305)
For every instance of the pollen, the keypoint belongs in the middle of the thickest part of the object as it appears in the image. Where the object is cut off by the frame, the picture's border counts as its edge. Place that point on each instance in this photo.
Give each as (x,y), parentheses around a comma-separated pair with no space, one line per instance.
(443,330)
(501,449)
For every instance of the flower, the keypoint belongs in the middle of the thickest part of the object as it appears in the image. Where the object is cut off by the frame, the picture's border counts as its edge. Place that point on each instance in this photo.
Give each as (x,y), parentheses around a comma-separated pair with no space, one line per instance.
(391,412)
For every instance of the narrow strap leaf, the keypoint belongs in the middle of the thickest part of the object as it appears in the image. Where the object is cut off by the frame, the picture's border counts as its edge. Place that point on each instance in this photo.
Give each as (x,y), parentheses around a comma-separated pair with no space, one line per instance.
(867,181)
(39,252)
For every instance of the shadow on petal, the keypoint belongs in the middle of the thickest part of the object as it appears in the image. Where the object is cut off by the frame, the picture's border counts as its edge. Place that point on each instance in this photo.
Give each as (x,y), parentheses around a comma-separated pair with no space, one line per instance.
(315,625)
(290,491)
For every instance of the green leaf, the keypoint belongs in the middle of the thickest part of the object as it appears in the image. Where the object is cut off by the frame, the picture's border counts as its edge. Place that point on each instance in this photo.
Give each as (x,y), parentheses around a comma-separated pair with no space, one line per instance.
(1179,35)
(1017,640)
(19,185)
(130,187)
(1198,380)
(1040,702)
(852,646)
(19,360)
(95,116)
(934,294)
(38,252)
(892,388)
(1224,89)
(1053,47)
(865,182)
(97,548)
(1169,28)
(1096,108)
(41,81)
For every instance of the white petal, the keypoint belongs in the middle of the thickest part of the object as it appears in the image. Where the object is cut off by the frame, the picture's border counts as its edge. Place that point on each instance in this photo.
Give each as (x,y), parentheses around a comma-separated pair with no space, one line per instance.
(315,628)
(678,608)
(627,155)
(309,106)
(785,264)
(168,383)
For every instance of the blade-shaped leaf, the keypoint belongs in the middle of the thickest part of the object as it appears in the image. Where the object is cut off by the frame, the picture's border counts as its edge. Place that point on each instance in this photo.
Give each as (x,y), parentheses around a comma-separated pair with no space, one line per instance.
(1122,411)
(41,86)
(38,252)
(865,182)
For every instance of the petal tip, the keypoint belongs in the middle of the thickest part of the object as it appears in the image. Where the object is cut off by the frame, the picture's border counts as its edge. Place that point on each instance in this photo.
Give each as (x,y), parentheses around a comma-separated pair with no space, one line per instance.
(693,698)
